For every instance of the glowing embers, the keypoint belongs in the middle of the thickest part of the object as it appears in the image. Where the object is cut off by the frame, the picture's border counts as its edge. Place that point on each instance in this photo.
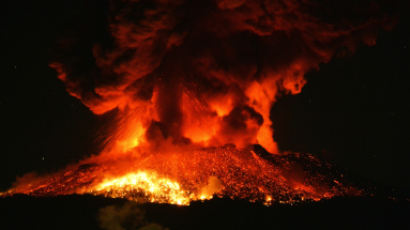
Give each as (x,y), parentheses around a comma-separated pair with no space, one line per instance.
(180,176)
(149,184)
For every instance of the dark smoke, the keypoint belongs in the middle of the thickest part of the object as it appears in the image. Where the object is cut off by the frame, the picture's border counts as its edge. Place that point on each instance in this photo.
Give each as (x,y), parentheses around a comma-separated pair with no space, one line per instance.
(214,47)
(123,217)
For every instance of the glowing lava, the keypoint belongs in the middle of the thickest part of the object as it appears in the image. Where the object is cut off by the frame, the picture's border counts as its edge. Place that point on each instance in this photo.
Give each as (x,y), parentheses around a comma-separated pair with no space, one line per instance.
(156,188)
(182,175)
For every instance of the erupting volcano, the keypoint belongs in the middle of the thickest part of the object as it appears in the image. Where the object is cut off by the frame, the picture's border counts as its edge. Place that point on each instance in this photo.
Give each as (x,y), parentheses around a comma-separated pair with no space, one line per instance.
(192,84)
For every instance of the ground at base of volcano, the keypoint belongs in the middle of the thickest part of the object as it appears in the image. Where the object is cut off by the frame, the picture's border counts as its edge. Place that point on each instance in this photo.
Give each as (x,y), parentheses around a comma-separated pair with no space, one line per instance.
(88,212)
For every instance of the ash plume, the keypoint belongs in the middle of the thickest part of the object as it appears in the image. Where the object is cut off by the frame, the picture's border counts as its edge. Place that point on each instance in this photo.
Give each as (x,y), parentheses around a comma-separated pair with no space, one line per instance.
(225,61)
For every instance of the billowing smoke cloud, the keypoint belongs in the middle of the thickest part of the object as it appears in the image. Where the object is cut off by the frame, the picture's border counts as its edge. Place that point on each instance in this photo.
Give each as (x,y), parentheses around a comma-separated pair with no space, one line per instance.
(208,71)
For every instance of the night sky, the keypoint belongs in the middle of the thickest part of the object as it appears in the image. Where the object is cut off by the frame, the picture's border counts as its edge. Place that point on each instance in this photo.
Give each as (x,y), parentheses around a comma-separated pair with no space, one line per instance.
(353,112)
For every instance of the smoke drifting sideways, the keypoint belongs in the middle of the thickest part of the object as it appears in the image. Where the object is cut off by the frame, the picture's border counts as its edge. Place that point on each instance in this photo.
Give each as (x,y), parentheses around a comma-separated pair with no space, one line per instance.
(208,72)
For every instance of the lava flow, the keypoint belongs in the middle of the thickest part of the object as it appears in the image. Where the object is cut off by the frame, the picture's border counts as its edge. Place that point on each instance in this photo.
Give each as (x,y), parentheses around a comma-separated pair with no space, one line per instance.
(181,175)
(191,84)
